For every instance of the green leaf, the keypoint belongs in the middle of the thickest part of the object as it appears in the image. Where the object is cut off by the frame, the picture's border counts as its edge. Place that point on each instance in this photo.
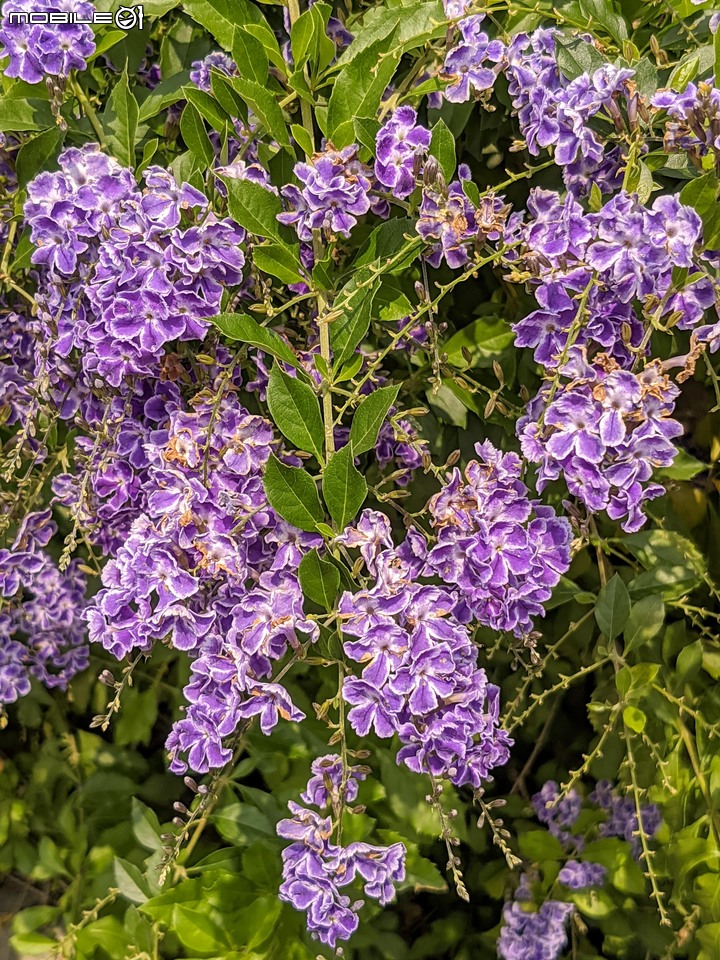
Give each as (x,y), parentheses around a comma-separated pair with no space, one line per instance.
(250,56)
(197,931)
(165,93)
(484,338)
(358,88)
(120,121)
(640,181)
(292,493)
(265,107)
(309,41)
(684,467)
(220,17)
(149,151)
(130,881)
(442,147)
(387,240)
(613,607)
(240,326)
(366,131)
(303,139)
(576,56)
(37,154)
(344,487)
(684,72)
(702,195)
(646,618)
(256,209)
(634,718)
(261,31)
(195,135)
(602,14)
(537,845)
(415,24)
(17,115)
(369,417)
(355,304)
(32,944)
(146,827)
(295,409)
(319,579)
(208,107)
(278,261)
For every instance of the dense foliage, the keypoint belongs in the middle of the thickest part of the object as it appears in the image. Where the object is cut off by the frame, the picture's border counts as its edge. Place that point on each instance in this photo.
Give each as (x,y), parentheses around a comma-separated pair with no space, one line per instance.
(360,424)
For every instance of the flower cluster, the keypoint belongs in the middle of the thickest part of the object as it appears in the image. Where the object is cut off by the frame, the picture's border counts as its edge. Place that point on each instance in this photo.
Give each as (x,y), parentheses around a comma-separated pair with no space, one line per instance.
(534,934)
(315,870)
(37,50)
(447,219)
(210,569)
(400,147)
(201,70)
(620,820)
(552,111)
(501,551)
(334,194)
(126,271)
(695,124)
(42,633)
(604,431)
(420,677)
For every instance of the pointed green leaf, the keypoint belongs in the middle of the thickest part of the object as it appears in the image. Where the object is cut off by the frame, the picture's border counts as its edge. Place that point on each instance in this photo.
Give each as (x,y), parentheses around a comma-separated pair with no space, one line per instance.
(256,209)
(250,56)
(220,17)
(442,147)
(292,493)
(239,326)
(35,155)
(130,881)
(295,409)
(120,120)
(358,88)
(208,107)
(319,579)
(646,618)
(355,303)
(613,607)
(263,104)
(344,487)
(195,135)
(369,417)
(278,261)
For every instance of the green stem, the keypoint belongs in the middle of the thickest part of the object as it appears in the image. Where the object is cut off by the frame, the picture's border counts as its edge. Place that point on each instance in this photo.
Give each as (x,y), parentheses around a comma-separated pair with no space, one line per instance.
(88,111)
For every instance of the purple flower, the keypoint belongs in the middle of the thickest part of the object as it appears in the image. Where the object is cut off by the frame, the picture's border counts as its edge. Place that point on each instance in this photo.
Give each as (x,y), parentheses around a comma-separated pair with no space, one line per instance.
(531,935)
(400,146)
(201,70)
(465,65)
(579,875)
(40,49)
(334,194)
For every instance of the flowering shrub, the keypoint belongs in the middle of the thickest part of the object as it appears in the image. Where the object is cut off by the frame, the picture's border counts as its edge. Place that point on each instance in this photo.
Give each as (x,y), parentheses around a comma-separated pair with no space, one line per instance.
(359,417)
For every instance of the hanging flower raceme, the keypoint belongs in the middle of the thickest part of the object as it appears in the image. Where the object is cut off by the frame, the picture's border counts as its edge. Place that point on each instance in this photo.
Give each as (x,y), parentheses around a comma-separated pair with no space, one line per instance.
(604,431)
(316,870)
(42,634)
(126,271)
